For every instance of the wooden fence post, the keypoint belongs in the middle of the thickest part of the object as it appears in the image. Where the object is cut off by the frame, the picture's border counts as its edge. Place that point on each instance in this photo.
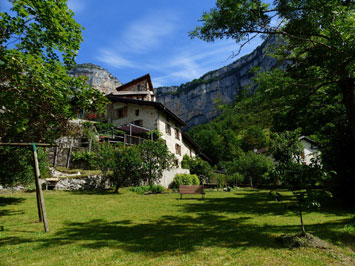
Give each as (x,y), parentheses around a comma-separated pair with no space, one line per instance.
(55,156)
(69,152)
(39,188)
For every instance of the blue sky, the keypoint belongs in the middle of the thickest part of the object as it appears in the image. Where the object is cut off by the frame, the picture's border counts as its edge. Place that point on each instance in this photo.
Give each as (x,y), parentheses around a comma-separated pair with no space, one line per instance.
(136,37)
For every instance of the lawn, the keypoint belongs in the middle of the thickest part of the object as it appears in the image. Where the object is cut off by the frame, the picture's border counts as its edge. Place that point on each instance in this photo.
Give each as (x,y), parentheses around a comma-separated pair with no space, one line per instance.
(227,228)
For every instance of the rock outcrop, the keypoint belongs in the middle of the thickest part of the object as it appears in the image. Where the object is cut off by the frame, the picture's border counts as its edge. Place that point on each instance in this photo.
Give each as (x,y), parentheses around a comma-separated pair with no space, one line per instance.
(98,77)
(196,101)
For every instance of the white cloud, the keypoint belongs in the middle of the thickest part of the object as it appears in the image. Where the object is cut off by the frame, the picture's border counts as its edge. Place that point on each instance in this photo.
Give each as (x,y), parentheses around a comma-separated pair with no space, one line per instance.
(76,5)
(148,32)
(113,59)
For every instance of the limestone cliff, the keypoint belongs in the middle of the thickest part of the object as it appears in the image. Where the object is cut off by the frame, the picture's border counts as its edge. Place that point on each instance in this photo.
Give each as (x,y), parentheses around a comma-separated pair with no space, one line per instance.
(195,101)
(98,77)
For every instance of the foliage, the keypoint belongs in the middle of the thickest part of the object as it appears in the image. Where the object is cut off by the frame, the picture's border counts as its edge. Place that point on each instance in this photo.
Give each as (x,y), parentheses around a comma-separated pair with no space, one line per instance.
(155,189)
(155,158)
(253,166)
(223,138)
(123,161)
(253,138)
(314,88)
(140,189)
(221,179)
(127,166)
(21,172)
(292,173)
(85,159)
(37,97)
(104,157)
(184,179)
(198,167)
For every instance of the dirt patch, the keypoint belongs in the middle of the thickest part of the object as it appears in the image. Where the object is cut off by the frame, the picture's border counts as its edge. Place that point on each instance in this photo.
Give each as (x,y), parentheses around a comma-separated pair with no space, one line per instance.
(302,240)
(310,241)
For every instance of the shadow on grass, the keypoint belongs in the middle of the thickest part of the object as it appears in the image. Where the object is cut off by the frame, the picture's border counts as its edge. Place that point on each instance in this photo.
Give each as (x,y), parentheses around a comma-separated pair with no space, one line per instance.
(10,201)
(204,223)
(183,234)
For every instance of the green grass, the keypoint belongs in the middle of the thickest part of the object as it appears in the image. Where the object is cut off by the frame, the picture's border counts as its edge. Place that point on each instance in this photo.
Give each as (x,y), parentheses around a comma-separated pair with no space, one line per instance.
(235,228)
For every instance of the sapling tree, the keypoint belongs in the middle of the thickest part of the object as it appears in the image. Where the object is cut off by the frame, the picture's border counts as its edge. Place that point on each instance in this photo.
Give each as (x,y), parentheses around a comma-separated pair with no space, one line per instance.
(291,171)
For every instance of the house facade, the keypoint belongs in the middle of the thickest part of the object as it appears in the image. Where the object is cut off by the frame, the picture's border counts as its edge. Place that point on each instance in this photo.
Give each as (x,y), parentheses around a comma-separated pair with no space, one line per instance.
(133,106)
(310,150)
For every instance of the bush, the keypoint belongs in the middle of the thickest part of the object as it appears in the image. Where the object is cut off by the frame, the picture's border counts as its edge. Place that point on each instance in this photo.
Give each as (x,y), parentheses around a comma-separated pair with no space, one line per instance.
(140,189)
(157,189)
(145,189)
(83,160)
(235,179)
(184,179)
(16,166)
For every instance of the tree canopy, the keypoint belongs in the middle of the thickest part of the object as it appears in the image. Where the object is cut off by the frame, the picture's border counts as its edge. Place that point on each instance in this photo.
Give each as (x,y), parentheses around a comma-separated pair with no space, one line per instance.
(38,44)
(318,42)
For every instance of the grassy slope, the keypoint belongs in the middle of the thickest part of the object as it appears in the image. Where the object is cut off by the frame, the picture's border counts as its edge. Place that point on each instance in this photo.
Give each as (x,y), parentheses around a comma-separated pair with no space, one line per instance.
(105,229)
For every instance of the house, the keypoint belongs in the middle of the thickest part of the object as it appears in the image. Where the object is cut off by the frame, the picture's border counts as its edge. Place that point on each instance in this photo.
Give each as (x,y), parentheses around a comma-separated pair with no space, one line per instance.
(133,109)
(310,149)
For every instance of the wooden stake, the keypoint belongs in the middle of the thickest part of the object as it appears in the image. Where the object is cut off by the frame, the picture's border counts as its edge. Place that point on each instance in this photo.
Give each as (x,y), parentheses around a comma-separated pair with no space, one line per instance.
(40,216)
(39,188)
(69,153)
(55,156)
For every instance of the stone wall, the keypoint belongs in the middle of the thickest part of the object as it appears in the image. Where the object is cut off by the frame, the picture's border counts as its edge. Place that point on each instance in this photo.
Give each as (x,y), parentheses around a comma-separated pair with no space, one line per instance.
(94,182)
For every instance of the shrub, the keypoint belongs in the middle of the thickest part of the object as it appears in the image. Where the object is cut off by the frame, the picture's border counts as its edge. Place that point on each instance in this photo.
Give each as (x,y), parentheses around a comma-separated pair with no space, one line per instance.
(83,160)
(156,188)
(140,189)
(184,179)
(145,189)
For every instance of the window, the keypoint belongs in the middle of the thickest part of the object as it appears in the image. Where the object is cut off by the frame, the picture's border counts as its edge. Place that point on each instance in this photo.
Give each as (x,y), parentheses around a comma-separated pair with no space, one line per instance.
(177,134)
(138,123)
(122,112)
(167,129)
(137,112)
(176,162)
(178,149)
(138,87)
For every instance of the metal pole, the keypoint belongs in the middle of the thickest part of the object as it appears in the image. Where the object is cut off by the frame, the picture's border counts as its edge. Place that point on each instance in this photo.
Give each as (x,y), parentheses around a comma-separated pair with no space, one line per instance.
(39,189)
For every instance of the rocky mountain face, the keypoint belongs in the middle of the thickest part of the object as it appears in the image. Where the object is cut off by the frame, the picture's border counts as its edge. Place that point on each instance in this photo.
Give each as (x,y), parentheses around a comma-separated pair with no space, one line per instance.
(195,101)
(98,77)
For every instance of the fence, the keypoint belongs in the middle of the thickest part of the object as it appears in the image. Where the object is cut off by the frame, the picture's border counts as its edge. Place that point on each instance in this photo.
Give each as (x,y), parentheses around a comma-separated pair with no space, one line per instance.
(62,154)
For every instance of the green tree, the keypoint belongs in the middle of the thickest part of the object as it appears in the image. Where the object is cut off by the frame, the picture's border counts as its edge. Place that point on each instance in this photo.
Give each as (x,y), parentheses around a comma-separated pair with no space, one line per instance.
(155,158)
(121,164)
(198,167)
(253,138)
(21,172)
(38,43)
(299,178)
(253,166)
(127,167)
(318,42)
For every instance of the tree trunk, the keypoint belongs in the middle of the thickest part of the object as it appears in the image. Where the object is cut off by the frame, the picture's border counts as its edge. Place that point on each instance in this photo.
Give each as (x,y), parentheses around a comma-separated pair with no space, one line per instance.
(302,224)
(117,188)
(348,89)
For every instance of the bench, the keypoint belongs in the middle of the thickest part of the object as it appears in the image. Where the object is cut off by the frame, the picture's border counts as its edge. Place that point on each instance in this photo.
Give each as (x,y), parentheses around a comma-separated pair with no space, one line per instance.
(194,189)
(51,183)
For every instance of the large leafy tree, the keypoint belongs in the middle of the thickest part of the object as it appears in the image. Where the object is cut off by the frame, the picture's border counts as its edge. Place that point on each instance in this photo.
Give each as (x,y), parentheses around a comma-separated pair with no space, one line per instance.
(318,43)
(39,40)
(155,158)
